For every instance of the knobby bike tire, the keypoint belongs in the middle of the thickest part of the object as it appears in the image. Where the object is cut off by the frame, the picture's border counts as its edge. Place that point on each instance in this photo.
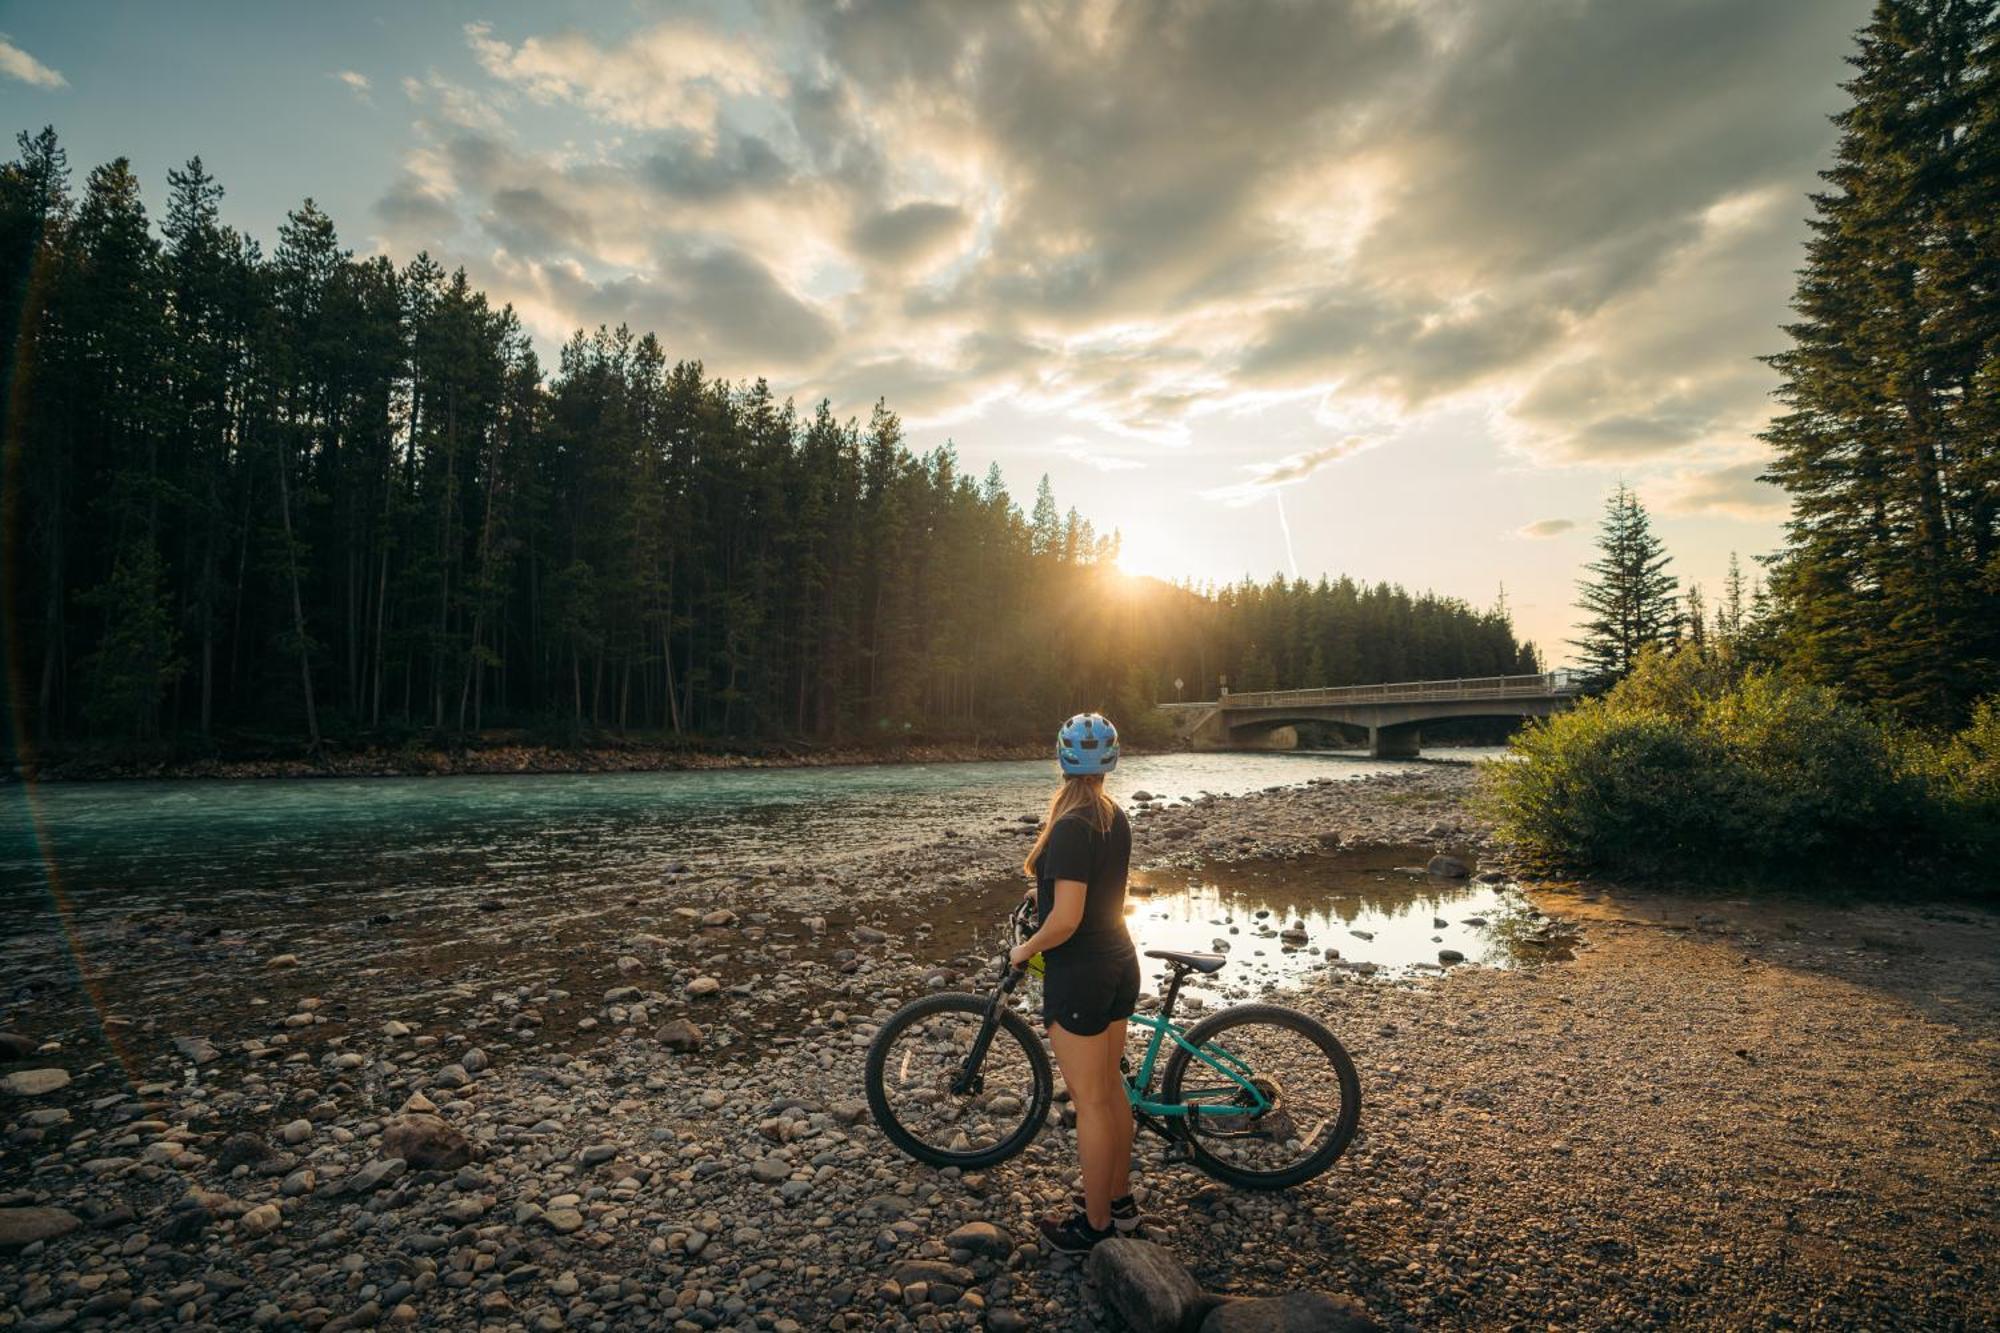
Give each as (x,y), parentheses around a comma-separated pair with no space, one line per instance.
(974,1006)
(1244,1015)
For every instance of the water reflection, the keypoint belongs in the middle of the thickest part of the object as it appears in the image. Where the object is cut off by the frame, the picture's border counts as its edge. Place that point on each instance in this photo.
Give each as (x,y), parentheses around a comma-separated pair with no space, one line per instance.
(1368,910)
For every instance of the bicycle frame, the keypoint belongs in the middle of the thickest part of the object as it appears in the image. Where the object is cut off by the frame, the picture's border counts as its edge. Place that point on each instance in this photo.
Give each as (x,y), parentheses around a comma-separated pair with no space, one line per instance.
(1139,1087)
(1170,1120)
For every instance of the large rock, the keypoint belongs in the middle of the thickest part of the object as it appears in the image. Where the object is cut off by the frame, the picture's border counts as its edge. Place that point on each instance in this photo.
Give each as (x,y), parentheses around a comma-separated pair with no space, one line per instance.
(14,1046)
(1146,1285)
(1447,867)
(260,1221)
(375,1175)
(25,1226)
(1293,1312)
(247,1150)
(678,1034)
(983,1239)
(198,1050)
(35,1082)
(426,1142)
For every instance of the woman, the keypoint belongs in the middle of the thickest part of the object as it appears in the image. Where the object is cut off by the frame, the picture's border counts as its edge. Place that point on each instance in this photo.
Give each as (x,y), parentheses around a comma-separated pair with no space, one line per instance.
(1091,985)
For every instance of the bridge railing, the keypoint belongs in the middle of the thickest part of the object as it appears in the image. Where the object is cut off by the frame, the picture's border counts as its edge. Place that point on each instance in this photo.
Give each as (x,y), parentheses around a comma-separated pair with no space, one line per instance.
(1542,685)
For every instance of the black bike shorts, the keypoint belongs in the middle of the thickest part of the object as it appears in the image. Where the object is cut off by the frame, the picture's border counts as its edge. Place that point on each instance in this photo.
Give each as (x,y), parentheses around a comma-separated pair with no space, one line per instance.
(1088,990)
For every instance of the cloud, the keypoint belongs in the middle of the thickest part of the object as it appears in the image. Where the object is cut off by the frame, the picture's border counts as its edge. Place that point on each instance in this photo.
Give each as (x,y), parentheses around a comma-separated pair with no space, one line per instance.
(908,232)
(1290,469)
(1730,490)
(357,82)
(674,75)
(1105,462)
(1580,220)
(18,64)
(1545,527)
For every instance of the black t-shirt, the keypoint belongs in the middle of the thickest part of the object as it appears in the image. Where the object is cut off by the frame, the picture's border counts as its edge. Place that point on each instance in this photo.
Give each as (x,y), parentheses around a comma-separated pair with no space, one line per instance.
(1099,861)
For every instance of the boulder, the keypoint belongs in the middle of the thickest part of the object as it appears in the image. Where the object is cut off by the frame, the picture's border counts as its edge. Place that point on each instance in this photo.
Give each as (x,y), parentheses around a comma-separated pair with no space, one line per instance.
(1293,1312)
(1146,1285)
(1447,867)
(260,1221)
(375,1175)
(35,1082)
(981,1238)
(197,1050)
(25,1226)
(245,1150)
(14,1046)
(932,1271)
(680,1035)
(703,986)
(426,1143)
(1450,956)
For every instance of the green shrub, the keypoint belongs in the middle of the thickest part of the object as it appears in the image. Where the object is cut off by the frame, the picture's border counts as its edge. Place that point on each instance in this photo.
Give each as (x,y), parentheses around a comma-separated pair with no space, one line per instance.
(1693,770)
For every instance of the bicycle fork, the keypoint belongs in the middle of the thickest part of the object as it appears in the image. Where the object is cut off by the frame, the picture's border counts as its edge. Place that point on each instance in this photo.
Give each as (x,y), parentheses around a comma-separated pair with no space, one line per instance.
(969,1083)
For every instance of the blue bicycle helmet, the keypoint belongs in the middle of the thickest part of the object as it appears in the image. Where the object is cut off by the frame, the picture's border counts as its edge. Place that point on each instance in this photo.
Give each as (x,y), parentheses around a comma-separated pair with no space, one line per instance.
(1087,744)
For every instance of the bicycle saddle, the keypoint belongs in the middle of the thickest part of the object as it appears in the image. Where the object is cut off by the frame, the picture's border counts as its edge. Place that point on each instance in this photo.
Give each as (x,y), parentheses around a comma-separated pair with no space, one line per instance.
(1200,962)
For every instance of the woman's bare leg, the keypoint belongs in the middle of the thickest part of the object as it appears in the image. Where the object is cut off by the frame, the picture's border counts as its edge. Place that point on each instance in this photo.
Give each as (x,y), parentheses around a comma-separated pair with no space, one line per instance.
(1103,1144)
(1121,1169)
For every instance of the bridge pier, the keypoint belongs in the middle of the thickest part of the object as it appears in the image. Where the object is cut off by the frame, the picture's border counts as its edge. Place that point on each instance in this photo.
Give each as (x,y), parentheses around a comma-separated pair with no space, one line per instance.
(1403,742)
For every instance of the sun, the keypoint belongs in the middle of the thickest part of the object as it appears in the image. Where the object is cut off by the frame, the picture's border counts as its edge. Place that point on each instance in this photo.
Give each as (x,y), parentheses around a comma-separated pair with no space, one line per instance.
(1146,553)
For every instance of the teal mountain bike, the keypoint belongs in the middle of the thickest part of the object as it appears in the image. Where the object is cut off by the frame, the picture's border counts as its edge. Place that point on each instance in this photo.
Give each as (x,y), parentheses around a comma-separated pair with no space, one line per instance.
(1257,1095)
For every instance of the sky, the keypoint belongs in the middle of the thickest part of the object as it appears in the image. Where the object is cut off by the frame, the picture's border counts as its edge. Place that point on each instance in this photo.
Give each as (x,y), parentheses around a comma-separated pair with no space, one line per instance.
(1399,289)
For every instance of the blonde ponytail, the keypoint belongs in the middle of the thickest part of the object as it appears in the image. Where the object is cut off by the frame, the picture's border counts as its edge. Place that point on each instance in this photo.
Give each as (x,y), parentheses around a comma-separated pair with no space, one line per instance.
(1079,793)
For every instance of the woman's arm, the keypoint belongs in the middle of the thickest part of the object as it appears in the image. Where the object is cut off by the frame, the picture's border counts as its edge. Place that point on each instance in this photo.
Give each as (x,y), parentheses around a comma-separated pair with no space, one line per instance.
(1063,919)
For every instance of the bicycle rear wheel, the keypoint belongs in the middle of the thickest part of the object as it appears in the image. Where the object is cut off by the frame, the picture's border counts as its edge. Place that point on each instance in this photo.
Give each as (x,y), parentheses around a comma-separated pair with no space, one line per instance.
(1303,1075)
(921,1051)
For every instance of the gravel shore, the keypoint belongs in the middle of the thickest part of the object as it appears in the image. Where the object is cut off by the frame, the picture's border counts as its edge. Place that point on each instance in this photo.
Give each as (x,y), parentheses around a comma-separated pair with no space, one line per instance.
(646,1112)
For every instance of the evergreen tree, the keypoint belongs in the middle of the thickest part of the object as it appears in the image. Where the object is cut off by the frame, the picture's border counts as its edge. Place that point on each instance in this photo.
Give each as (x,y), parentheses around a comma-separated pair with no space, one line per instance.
(1889,586)
(1630,604)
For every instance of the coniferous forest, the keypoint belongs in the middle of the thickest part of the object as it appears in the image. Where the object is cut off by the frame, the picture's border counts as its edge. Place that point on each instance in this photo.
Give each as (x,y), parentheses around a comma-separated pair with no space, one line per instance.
(301,498)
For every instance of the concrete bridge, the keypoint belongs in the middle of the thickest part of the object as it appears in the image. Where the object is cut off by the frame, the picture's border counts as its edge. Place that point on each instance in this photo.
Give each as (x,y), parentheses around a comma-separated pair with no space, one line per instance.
(1391,716)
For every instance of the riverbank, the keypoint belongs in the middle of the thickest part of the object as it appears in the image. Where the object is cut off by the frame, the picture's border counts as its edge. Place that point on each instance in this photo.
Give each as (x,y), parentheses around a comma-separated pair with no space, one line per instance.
(499,755)
(1719,1114)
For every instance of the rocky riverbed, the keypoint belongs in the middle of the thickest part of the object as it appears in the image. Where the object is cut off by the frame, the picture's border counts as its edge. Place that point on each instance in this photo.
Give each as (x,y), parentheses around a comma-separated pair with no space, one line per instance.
(645,1112)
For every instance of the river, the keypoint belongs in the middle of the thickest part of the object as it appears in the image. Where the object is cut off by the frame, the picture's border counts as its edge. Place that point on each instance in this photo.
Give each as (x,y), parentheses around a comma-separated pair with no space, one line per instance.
(136,887)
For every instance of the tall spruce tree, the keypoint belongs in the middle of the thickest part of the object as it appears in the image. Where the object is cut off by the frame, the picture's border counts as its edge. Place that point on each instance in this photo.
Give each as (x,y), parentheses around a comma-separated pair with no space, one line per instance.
(1889,584)
(1632,603)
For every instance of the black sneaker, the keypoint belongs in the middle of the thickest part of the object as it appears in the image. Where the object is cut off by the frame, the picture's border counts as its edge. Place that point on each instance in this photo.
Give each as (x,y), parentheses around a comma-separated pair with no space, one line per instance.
(1125,1218)
(1074,1235)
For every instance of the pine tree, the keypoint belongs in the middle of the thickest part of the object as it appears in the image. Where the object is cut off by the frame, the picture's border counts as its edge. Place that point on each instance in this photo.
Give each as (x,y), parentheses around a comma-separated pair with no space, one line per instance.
(1729,614)
(1046,530)
(1631,603)
(1889,584)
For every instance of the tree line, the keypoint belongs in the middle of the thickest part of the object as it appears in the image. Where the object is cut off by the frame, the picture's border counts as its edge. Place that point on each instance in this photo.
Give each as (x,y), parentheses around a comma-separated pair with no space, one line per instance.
(304,495)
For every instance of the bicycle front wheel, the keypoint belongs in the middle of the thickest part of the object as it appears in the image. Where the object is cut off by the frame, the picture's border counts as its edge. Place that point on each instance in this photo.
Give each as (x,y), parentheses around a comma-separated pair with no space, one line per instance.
(919,1056)
(1272,1099)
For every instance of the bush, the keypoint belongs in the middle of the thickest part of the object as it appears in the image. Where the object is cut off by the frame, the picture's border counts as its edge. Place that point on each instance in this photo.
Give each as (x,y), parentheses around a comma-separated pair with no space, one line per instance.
(1693,770)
